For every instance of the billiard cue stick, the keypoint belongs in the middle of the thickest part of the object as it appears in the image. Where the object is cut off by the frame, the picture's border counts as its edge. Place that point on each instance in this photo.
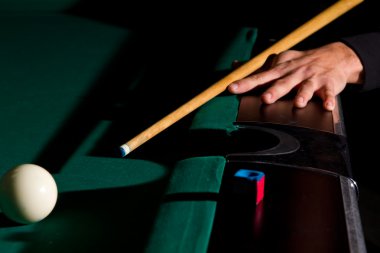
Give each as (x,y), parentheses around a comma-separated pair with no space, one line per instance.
(299,34)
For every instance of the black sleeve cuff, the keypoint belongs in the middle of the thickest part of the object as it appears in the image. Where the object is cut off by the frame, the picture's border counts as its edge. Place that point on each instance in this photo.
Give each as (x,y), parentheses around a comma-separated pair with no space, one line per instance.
(367,47)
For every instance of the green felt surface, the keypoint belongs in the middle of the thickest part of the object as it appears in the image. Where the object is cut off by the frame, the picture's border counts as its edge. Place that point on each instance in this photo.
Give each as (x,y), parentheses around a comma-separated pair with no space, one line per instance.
(86,172)
(52,109)
(51,66)
(101,203)
(185,218)
(49,63)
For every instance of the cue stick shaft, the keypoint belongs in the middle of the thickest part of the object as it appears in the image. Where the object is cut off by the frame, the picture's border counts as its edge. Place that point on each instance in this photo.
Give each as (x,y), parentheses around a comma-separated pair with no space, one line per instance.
(299,34)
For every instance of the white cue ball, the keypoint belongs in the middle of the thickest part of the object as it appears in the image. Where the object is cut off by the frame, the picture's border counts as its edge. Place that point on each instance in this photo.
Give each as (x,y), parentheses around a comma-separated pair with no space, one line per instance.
(28,193)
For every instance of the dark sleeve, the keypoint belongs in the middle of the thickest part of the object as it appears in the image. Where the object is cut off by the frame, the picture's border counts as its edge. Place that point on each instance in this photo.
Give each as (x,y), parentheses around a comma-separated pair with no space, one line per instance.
(367,47)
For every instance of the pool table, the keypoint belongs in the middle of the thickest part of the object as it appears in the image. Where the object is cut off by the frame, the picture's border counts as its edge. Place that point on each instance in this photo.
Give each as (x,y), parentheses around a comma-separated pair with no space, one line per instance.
(73,89)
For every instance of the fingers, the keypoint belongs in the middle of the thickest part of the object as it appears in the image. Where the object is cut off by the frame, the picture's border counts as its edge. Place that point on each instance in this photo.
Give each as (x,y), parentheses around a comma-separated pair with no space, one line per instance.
(253,81)
(277,90)
(319,71)
(304,94)
(287,56)
(284,85)
(275,67)
(307,90)
(328,96)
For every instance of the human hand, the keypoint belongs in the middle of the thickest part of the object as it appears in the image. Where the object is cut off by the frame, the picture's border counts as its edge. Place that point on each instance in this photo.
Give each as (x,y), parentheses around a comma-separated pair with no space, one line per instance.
(323,71)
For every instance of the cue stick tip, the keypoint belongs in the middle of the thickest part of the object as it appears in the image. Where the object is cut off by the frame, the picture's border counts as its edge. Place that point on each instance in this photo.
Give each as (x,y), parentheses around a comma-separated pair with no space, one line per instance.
(124,150)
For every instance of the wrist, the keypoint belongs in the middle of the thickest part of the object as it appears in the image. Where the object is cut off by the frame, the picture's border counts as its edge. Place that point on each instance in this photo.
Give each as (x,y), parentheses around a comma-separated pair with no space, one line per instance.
(353,65)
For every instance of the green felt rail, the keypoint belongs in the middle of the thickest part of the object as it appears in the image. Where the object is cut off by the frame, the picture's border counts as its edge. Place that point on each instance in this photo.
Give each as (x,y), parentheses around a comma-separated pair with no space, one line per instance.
(186,215)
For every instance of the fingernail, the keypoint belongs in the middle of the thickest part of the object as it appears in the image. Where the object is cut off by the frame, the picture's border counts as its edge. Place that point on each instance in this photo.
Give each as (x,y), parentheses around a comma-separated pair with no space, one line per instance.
(300,100)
